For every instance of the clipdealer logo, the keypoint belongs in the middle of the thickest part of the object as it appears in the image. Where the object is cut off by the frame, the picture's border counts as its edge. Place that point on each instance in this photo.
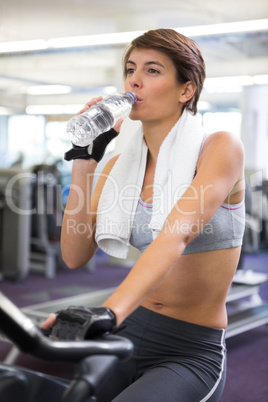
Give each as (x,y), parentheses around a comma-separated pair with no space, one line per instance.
(49,198)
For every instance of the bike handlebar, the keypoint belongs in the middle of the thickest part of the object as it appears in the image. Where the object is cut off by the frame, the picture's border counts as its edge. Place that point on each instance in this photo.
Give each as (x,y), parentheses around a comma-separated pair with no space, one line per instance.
(21,330)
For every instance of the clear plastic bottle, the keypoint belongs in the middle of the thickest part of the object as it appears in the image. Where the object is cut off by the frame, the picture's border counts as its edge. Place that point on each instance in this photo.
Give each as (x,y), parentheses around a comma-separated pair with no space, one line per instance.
(84,128)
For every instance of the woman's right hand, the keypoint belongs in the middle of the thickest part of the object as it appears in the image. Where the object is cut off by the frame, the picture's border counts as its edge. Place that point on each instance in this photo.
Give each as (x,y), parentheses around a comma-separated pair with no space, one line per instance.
(93,102)
(90,103)
(50,321)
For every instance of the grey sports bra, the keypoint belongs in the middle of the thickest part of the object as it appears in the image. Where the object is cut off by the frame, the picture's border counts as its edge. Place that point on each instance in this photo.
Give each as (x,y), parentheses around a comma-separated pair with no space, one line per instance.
(224,230)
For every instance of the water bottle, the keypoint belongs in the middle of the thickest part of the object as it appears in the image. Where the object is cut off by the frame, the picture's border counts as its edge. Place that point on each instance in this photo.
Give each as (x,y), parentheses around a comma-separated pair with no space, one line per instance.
(84,128)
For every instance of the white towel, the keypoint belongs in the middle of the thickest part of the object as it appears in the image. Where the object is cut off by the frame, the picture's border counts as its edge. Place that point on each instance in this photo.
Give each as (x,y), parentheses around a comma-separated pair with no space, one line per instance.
(175,169)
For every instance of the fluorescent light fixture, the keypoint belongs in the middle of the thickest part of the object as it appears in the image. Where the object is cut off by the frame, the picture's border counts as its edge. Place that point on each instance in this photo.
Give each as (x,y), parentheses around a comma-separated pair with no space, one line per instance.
(126,37)
(226,28)
(232,84)
(53,109)
(94,40)
(5,111)
(22,46)
(231,89)
(240,80)
(261,79)
(47,89)
(109,89)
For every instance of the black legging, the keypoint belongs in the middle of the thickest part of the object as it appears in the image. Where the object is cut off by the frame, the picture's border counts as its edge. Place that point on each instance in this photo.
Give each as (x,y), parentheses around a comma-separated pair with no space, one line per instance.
(174,361)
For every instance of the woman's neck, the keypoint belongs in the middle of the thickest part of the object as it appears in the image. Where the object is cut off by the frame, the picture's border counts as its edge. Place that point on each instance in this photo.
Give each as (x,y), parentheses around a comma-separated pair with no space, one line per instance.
(154,134)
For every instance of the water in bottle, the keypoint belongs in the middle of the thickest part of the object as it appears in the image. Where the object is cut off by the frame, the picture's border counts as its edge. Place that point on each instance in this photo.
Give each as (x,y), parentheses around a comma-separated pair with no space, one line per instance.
(84,128)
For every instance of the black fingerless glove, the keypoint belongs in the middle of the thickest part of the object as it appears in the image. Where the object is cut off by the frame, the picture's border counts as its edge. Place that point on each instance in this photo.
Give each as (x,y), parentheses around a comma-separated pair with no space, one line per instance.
(78,323)
(95,150)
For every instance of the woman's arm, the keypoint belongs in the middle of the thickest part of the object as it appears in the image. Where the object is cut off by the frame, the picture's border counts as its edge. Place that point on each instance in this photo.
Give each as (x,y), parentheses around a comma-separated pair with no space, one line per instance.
(220,169)
(77,241)
(77,245)
(78,227)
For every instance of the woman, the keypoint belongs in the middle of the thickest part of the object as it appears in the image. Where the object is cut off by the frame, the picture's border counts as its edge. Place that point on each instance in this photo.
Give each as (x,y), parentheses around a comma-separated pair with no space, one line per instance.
(173,300)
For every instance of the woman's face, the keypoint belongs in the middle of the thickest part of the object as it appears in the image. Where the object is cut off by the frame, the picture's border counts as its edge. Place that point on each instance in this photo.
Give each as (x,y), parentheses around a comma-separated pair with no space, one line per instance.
(152,76)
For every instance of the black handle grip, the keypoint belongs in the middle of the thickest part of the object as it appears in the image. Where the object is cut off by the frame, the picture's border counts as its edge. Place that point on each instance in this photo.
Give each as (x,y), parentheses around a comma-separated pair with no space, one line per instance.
(29,338)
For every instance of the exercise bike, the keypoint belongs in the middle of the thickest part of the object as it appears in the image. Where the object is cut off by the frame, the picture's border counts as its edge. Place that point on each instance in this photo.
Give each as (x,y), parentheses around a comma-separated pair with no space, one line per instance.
(95,359)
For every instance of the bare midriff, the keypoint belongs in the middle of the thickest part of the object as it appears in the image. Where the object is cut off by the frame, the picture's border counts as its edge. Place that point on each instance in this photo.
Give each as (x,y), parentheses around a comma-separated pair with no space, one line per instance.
(195,290)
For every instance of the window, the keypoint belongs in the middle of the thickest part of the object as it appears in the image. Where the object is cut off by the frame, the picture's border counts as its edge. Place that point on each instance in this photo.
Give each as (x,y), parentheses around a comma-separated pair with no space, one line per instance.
(26,139)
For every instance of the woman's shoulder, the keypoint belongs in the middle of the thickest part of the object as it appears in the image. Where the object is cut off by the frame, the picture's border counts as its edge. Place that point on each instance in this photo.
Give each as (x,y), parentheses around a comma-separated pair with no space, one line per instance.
(222,138)
(220,149)
(222,143)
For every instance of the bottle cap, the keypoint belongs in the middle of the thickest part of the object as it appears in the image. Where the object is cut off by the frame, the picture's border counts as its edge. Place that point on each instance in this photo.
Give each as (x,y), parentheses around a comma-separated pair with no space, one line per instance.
(133,96)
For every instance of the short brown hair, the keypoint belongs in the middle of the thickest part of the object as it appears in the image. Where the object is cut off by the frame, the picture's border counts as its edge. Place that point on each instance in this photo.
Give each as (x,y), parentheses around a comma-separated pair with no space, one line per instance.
(184,53)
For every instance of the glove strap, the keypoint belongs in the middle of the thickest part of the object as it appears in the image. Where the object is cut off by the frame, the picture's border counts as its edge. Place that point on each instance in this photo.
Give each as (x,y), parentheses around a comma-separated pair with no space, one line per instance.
(77,152)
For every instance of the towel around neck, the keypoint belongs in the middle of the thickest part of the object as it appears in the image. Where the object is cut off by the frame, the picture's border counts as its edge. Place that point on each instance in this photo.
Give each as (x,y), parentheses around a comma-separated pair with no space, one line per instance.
(175,169)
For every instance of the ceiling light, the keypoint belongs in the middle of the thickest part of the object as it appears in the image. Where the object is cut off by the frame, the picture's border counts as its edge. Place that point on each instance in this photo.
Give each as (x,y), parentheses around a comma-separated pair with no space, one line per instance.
(53,109)
(5,111)
(261,79)
(232,80)
(110,89)
(94,40)
(126,37)
(231,89)
(47,89)
(226,28)
(21,46)
(233,83)
(230,84)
